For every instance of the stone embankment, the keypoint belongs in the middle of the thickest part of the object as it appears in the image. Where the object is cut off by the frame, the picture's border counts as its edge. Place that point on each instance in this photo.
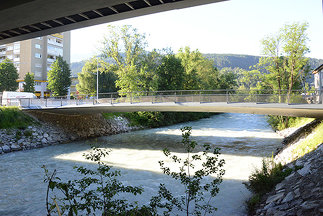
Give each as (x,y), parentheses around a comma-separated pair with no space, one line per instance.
(300,193)
(55,129)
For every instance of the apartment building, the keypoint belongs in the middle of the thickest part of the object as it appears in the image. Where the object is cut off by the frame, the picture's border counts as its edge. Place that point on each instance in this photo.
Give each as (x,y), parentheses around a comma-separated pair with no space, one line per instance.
(36,56)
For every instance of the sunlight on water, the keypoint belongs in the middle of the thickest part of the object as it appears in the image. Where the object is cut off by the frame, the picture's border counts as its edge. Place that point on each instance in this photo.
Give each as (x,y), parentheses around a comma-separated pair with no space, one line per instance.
(211,132)
(237,167)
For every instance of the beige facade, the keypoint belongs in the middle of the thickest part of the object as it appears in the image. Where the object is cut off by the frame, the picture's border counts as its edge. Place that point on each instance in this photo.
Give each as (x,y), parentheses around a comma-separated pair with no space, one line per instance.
(36,56)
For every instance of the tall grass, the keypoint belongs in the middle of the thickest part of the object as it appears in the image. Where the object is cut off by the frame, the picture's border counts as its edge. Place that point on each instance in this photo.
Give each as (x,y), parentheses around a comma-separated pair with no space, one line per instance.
(12,117)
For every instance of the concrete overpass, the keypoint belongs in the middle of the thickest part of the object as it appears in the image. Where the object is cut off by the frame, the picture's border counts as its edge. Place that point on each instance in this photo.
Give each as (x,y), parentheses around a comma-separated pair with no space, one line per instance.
(25,19)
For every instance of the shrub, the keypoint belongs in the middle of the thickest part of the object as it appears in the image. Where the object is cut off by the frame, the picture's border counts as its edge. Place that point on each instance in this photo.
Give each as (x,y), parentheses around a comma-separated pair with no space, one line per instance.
(195,200)
(263,180)
(96,192)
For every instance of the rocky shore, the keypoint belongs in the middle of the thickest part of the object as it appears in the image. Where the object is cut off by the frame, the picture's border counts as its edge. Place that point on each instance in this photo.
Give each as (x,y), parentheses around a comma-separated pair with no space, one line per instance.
(60,129)
(300,193)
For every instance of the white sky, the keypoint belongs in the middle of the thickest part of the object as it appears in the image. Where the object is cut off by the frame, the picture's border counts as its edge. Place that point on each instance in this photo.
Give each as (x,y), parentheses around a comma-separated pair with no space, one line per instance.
(232,27)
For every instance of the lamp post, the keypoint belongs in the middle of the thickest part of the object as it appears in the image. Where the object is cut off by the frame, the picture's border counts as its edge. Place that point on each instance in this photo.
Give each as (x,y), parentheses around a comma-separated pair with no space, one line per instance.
(97,78)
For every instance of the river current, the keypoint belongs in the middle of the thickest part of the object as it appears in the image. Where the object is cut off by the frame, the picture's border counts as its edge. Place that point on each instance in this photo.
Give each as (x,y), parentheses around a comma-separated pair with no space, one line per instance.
(244,140)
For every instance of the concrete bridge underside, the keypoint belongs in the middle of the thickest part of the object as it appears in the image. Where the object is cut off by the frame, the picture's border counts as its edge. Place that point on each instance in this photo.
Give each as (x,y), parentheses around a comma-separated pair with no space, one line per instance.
(25,19)
(300,110)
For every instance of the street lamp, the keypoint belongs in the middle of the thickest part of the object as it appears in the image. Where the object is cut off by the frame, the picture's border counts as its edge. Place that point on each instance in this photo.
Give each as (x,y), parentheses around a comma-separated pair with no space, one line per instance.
(97,78)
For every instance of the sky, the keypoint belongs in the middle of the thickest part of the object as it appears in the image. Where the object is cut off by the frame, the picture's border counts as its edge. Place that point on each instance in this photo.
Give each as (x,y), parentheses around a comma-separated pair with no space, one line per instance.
(230,27)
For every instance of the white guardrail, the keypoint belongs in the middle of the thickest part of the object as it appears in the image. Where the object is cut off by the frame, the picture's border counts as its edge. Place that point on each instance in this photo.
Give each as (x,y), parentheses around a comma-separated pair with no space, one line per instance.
(178,96)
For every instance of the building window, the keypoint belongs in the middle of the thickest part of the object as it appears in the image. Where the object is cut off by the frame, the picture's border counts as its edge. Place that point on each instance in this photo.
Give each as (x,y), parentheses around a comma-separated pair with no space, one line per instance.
(38,55)
(10,57)
(39,38)
(9,48)
(37,46)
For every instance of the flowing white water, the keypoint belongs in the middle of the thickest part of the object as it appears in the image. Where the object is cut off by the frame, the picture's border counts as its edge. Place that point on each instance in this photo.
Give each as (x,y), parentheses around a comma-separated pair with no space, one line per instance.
(244,139)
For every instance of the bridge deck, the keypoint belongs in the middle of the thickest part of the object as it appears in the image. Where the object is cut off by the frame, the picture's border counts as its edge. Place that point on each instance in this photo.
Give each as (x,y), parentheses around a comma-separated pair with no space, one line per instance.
(303,110)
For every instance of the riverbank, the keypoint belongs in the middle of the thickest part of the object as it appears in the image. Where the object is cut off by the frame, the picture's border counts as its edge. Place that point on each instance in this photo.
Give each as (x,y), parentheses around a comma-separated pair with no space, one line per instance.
(44,129)
(300,193)
(60,129)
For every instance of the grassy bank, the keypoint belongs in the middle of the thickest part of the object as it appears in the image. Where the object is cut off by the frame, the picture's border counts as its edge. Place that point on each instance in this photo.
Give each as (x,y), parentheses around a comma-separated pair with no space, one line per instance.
(12,117)
(311,142)
(158,119)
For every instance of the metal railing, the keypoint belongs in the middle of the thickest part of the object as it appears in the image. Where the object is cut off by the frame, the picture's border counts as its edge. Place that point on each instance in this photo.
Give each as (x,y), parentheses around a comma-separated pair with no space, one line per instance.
(177,96)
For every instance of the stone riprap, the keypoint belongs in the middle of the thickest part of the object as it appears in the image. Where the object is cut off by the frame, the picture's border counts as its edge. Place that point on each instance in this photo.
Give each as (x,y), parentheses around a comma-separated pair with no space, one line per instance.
(301,192)
(31,137)
(60,129)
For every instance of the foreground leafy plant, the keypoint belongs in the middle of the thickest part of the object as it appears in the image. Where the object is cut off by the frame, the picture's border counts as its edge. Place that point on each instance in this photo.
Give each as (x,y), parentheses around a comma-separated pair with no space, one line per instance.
(96,192)
(194,201)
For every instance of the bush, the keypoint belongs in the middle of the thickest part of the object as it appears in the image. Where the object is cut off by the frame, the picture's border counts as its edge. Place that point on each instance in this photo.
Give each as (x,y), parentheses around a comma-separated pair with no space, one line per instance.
(263,180)
(195,200)
(159,119)
(283,122)
(96,193)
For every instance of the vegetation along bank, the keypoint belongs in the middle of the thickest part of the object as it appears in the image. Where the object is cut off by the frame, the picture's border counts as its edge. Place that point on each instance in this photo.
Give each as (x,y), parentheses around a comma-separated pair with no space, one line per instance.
(290,183)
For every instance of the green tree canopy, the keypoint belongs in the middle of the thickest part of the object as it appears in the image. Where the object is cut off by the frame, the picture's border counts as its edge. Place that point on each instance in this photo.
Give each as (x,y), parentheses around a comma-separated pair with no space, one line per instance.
(29,85)
(8,76)
(127,48)
(87,78)
(199,71)
(170,73)
(59,77)
(284,61)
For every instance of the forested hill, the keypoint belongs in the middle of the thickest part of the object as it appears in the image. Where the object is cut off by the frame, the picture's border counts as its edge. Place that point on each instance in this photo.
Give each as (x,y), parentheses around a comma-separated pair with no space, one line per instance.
(245,61)
(233,61)
(220,61)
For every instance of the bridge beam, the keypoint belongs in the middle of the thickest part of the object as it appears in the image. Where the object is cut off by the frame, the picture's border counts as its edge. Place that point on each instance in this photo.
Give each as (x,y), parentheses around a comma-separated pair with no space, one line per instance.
(296,110)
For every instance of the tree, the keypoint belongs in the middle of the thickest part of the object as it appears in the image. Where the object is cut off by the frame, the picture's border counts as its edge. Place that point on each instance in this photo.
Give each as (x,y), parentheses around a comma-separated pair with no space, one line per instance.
(126,47)
(198,69)
(59,77)
(8,76)
(29,85)
(170,73)
(295,48)
(284,59)
(87,78)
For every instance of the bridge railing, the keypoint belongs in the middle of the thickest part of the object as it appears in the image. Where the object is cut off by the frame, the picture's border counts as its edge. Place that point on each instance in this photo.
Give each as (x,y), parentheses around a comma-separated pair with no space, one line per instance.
(177,96)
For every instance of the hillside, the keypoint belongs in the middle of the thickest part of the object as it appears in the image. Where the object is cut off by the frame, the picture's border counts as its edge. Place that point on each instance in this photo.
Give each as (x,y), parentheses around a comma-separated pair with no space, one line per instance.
(220,61)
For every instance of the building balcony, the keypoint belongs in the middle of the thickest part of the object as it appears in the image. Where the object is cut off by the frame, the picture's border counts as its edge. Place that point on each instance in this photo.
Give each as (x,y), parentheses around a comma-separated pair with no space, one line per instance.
(50,60)
(55,43)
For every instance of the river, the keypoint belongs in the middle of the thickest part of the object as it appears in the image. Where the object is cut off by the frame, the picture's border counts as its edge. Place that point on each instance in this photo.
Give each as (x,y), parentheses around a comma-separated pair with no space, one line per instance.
(244,140)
